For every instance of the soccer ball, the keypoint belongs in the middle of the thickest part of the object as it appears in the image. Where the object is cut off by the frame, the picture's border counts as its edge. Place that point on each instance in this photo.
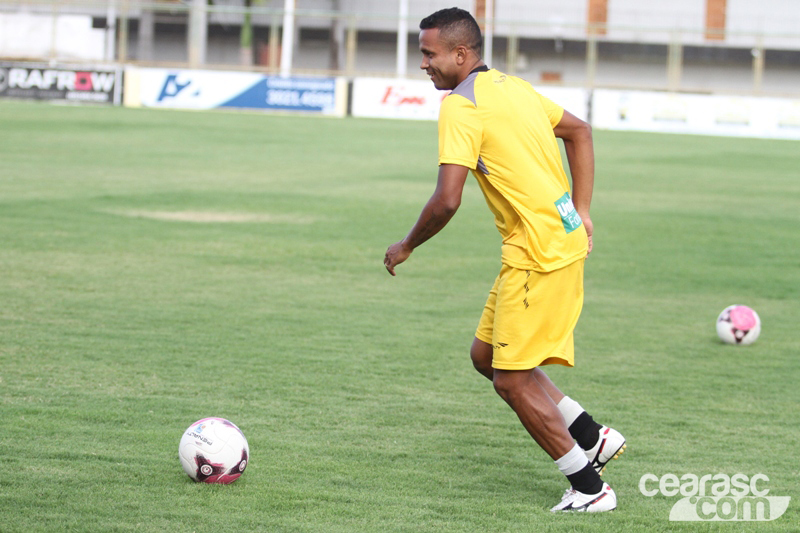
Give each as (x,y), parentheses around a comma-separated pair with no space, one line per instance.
(214,450)
(738,324)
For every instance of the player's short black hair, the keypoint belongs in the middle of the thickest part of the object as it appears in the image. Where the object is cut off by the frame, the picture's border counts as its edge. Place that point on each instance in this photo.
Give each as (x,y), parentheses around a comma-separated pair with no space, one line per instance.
(456,27)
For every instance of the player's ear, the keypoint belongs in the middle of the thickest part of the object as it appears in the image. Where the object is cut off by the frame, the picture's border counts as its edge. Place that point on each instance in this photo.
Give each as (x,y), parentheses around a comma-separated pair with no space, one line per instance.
(461,54)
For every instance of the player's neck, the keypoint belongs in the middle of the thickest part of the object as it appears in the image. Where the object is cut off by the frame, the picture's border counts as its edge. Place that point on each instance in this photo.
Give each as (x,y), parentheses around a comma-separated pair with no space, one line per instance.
(469,69)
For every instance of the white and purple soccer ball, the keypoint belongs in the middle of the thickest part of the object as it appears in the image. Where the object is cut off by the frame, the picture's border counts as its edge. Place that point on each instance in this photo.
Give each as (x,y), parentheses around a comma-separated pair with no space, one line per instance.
(214,450)
(738,324)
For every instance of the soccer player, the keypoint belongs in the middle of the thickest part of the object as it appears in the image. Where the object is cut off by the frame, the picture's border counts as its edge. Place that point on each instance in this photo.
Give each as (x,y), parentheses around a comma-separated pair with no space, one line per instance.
(505,132)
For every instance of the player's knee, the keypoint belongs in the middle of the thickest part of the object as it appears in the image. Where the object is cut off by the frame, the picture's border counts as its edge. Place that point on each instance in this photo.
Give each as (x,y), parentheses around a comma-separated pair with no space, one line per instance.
(478,361)
(481,359)
(506,384)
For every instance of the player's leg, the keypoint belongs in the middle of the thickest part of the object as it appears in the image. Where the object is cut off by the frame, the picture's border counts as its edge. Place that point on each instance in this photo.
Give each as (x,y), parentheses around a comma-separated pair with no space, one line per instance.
(533,316)
(553,391)
(535,409)
(601,443)
(547,427)
(543,421)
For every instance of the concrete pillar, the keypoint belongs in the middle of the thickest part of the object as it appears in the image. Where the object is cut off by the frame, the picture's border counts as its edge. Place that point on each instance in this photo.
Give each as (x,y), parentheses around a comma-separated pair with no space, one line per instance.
(274,56)
(146,35)
(674,62)
(758,65)
(352,46)
(402,40)
(484,11)
(512,53)
(337,49)
(111,31)
(287,39)
(198,33)
(488,36)
(591,60)
(122,44)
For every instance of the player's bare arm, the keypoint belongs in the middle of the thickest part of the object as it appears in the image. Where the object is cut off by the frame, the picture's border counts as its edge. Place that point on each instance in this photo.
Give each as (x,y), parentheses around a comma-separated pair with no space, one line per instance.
(577,137)
(441,207)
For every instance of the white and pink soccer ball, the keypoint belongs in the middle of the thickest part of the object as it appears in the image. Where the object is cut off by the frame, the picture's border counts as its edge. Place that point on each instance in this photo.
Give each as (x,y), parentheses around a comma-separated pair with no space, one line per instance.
(738,324)
(214,450)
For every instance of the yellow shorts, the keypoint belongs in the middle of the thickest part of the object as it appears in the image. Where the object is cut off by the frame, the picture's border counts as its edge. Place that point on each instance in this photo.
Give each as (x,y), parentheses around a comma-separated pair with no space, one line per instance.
(529,317)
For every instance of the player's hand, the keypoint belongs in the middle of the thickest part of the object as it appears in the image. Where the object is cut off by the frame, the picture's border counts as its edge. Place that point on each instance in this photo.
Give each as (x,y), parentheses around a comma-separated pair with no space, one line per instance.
(396,254)
(587,223)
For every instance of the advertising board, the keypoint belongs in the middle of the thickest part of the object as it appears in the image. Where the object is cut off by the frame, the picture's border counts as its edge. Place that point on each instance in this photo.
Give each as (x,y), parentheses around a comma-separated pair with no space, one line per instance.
(35,81)
(208,89)
(396,98)
(420,100)
(707,114)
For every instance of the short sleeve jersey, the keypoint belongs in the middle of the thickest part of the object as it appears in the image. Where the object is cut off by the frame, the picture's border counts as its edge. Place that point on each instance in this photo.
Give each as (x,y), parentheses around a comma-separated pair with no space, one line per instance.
(502,129)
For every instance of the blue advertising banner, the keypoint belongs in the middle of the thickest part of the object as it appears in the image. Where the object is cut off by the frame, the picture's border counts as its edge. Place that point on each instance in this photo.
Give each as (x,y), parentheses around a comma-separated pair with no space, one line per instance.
(204,89)
(288,94)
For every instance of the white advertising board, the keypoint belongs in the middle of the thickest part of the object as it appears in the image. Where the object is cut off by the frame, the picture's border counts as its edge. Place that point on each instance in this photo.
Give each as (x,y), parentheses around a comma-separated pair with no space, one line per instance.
(396,98)
(740,116)
(420,100)
(573,99)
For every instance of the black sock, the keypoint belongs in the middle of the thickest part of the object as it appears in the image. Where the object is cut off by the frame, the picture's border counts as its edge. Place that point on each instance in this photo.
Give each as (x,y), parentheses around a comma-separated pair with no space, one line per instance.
(585,431)
(586,480)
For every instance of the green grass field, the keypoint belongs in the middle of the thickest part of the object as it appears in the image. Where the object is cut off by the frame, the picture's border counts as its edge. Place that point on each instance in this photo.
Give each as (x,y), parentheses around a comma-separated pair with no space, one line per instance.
(159,267)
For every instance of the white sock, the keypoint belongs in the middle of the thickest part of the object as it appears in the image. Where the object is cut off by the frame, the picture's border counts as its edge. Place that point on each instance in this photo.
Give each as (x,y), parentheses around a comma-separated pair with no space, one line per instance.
(573,461)
(570,409)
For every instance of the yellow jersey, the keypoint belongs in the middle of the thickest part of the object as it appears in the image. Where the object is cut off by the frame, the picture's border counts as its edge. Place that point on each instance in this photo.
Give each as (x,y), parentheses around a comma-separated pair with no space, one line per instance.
(502,129)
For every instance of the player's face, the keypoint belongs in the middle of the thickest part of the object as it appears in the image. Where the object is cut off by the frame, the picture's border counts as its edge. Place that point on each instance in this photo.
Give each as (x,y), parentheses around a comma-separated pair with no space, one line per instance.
(438,60)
